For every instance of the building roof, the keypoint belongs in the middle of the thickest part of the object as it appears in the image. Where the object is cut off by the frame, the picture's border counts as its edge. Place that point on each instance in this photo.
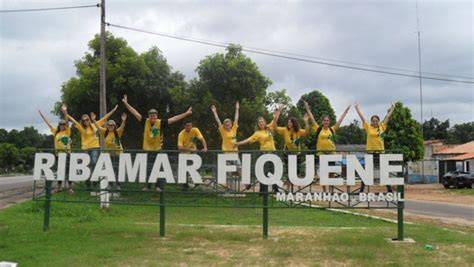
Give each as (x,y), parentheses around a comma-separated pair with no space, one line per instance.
(458,149)
(462,157)
(430,142)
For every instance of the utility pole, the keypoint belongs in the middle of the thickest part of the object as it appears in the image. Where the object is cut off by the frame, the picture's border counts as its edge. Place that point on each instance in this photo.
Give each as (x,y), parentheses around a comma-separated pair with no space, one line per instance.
(104,195)
(421,92)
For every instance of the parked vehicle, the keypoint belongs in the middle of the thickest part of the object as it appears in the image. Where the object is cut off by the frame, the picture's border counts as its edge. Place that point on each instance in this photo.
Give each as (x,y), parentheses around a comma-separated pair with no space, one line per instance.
(449,179)
(465,180)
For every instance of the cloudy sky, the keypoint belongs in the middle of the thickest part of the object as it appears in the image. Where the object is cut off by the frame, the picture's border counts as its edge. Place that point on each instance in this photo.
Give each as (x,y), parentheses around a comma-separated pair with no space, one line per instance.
(38,49)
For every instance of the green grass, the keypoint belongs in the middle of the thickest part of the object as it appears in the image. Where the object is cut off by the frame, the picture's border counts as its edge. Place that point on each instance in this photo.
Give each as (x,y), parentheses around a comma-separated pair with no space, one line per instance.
(464,191)
(85,235)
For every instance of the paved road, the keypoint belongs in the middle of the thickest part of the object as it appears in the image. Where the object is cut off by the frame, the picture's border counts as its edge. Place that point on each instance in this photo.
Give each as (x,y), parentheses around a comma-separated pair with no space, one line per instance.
(15,189)
(437,209)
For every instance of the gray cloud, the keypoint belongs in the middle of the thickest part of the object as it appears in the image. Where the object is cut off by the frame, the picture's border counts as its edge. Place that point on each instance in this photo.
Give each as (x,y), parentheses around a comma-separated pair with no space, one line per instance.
(38,49)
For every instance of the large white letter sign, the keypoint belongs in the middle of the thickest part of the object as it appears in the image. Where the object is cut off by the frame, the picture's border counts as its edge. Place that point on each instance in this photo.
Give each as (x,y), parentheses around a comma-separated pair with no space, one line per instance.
(223,168)
(161,162)
(192,169)
(43,163)
(79,167)
(126,168)
(386,168)
(325,169)
(353,166)
(61,169)
(246,169)
(293,170)
(104,168)
(272,178)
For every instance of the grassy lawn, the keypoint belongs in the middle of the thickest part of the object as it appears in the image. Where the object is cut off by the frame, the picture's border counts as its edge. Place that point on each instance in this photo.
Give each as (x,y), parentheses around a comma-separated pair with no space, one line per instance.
(85,235)
(464,191)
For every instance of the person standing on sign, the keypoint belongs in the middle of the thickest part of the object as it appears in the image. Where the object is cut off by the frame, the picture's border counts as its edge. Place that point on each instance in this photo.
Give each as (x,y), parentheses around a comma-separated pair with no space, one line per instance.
(113,139)
(89,134)
(153,134)
(375,137)
(187,141)
(264,136)
(62,143)
(228,132)
(325,135)
(293,137)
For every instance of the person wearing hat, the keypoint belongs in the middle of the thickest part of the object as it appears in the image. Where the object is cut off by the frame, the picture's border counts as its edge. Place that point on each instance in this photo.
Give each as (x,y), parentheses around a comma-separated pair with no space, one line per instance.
(62,141)
(153,132)
(112,138)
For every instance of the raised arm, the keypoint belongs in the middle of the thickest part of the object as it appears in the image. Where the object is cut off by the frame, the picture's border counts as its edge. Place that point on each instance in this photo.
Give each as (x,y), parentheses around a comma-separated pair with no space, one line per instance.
(276,116)
(236,115)
(216,117)
(131,109)
(93,119)
(356,105)
(180,116)
(306,124)
(338,123)
(310,114)
(389,114)
(124,119)
(107,116)
(50,125)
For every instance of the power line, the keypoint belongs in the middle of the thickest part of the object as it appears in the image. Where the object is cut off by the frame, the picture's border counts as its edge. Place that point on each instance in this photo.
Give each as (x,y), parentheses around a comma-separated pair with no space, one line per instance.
(282,55)
(47,8)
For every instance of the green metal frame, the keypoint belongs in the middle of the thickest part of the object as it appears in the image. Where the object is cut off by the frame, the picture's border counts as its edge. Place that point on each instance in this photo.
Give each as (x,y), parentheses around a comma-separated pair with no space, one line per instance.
(194,197)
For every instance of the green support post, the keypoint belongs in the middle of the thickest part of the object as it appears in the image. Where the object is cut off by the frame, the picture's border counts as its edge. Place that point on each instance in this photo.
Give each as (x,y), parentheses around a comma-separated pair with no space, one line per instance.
(400,207)
(162,210)
(265,213)
(47,206)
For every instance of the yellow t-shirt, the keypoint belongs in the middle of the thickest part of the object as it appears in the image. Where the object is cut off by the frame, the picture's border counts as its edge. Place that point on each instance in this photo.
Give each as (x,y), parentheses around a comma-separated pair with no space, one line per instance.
(375,137)
(292,139)
(229,138)
(152,135)
(89,135)
(326,140)
(188,140)
(113,142)
(62,140)
(265,138)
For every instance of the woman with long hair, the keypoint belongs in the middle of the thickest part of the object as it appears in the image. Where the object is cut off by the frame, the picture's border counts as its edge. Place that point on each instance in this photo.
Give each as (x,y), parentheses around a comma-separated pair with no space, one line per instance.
(264,136)
(293,137)
(62,142)
(325,134)
(112,138)
(375,136)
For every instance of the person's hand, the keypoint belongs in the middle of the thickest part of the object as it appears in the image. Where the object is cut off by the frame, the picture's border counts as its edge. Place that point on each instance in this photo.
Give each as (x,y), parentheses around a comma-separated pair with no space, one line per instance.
(204,149)
(213,108)
(124,116)
(306,117)
(392,105)
(39,111)
(356,104)
(63,108)
(93,116)
(189,111)
(192,149)
(236,145)
(306,105)
(125,99)
(237,105)
(115,108)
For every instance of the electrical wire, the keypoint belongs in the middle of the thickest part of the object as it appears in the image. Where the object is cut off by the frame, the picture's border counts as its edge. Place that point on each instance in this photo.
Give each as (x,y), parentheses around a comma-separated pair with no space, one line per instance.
(47,8)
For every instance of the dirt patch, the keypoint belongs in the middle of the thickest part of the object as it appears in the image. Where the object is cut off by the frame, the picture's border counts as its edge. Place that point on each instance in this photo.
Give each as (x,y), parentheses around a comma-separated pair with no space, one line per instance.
(436,193)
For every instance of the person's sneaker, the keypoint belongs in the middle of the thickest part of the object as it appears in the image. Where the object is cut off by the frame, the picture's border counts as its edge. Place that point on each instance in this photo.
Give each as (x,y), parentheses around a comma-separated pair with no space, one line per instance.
(71,191)
(118,188)
(275,188)
(158,189)
(145,189)
(247,187)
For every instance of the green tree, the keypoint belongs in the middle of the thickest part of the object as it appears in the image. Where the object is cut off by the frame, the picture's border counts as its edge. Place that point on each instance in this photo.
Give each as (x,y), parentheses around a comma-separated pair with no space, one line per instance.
(435,129)
(27,158)
(9,157)
(404,134)
(351,134)
(146,78)
(461,133)
(222,80)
